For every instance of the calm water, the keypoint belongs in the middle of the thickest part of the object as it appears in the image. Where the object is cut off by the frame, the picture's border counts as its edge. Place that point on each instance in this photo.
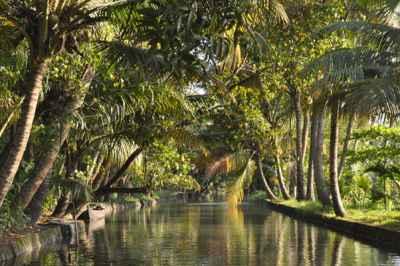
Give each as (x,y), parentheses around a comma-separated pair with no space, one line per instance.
(211,234)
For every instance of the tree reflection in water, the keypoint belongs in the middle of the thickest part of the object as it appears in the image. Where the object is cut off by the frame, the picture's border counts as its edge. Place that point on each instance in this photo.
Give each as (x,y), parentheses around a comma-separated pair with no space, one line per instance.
(212,234)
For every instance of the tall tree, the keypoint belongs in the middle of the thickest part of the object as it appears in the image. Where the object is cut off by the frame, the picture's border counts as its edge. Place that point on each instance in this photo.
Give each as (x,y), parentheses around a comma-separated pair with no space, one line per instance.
(61,126)
(48,27)
(333,159)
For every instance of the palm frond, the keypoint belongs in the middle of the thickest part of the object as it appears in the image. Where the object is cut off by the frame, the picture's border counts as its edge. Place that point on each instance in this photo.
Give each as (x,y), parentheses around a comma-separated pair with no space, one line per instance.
(351,64)
(267,8)
(374,96)
(235,191)
(79,190)
(382,33)
(387,9)
(119,53)
(185,138)
(227,164)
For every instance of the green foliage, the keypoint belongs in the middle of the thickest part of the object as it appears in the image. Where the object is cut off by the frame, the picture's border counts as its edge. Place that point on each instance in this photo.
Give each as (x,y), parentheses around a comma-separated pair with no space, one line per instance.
(235,190)
(11,218)
(308,206)
(165,168)
(379,150)
(258,195)
(198,87)
(357,194)
(377,154)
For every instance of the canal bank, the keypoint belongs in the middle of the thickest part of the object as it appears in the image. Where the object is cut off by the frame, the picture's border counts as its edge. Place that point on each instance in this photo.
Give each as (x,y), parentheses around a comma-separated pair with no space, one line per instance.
(52,235)
(369,234)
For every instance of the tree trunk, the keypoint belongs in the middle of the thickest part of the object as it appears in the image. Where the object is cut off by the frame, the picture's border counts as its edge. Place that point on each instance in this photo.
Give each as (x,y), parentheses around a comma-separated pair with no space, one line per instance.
(71,162)
(309,195)
(346,143)
(35,207)
(310,173)
(318,160)
(333,160)
(32,87)
(281,180)
(305,133)
(99,180)
(96,172)
(124,167)
(62,205)
(61,131)
(299,147)
(43,167)
(268,189)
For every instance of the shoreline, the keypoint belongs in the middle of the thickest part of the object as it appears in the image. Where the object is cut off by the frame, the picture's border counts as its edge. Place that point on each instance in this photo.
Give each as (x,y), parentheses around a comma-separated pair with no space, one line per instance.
(54,233)
(372,235)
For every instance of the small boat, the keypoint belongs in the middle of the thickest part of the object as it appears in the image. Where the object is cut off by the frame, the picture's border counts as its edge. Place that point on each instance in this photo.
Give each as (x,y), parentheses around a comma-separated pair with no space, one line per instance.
(94,212)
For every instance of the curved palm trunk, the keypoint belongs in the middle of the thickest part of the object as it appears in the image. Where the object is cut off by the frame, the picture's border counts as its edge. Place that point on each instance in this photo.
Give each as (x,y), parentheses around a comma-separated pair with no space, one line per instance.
(96,172)
(318,161)
(299,148)
(304,136)
(282,186)
(310,180)
(45,163)
(32,87)
(310,173)
(117,177)
(62,205)
(268,189)
(333,161)
(43,167)
(35,207)
(346,143)
(99,180)
(71,165)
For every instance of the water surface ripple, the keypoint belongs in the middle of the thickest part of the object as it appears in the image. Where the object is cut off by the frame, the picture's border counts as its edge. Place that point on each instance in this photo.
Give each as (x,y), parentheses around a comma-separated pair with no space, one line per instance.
(212,234)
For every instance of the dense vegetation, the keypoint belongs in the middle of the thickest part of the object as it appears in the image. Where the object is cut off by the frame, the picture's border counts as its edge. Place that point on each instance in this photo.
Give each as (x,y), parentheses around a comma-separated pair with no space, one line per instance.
(103,100)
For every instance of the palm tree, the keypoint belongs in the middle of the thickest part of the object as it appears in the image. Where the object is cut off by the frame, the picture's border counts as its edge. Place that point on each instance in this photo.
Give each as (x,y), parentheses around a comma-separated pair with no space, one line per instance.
(268,190)
(316,152)
(62,127)
(296,98)
(48,27)
(333,159)
(358,71)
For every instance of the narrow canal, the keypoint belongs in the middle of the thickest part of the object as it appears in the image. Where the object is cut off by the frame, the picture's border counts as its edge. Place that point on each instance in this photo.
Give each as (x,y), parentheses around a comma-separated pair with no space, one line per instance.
(212,234)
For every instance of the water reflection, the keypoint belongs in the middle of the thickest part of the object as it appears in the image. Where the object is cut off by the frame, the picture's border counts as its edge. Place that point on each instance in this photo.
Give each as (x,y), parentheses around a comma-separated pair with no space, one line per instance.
(211,234)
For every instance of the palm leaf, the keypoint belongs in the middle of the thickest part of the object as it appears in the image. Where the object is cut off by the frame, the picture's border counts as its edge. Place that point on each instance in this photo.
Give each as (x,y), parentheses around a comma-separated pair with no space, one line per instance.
(235,191)
(374,96)
(79,190)
(119,53)
(227,164)
(350,64)
(375,31)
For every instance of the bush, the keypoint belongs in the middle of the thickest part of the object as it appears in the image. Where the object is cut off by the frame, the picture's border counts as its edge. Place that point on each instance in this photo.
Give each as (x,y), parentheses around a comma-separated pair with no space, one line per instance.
(257,195)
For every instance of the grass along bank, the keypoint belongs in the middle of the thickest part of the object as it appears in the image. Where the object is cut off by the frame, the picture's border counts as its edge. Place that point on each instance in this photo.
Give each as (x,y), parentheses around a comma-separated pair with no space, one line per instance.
(387,219)
(380,218)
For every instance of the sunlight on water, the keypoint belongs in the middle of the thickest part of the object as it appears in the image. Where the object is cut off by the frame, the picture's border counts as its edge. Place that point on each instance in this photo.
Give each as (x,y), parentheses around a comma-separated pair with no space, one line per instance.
(212,234)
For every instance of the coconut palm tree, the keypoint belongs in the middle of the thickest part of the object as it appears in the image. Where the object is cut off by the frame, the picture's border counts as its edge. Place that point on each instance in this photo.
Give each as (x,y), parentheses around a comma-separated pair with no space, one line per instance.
(333,159)
(316,151)
(358,71)
(61,127)
(48,27)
